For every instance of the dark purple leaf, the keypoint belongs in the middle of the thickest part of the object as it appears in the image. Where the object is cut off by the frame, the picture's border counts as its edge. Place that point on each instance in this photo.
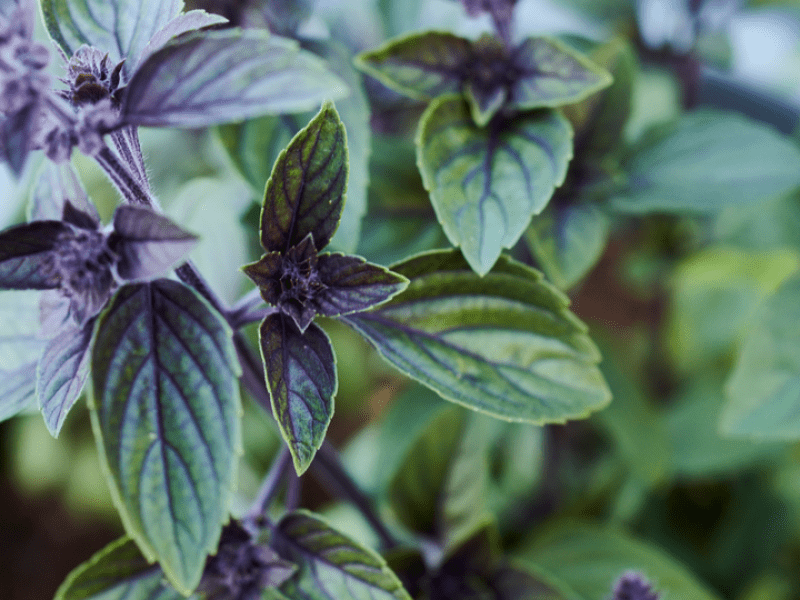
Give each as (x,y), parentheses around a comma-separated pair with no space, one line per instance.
(300,371)
(183,23)
(221,76)
(147,243)
(305,194)
(17,390)
(352,284)
(16,132)
(62,373)
(24,250)
(74,216)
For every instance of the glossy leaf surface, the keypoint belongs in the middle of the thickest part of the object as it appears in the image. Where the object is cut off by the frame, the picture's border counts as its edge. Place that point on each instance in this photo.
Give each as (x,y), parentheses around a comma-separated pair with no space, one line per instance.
(23,250)
(504,344)
(222,76)
(165,413)
(332,565)
(486,184)
(300,370)
(305,193)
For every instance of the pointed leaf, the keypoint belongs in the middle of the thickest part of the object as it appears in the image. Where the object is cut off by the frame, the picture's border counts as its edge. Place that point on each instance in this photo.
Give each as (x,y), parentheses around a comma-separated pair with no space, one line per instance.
(504,344)
(147,243)
(62,373)
(166,416)
(120,27)
(551,73)
(353,284)
(220,76)
(117,572)
(55,184)
(486,184)
(332,565)
(300,370)
(16,133)
(17,391)
(420,65)
(183,23)
(305,193)
(484,105)
(24,250)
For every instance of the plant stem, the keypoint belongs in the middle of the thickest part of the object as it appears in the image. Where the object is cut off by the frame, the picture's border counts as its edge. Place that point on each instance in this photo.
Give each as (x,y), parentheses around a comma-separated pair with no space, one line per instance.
(121,176)
(269,488)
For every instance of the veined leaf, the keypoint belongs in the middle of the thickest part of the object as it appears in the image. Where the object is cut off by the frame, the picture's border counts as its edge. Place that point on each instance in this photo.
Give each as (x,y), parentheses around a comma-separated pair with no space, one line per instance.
(183,23)
(504,344)
(300,371)
(117,572)
(62,373)
(23,251)
(55,184)
(17,391)
(305,193)
(221,76)
(120,27)
(706,161)
(486,184)
(165,411)
(332,565)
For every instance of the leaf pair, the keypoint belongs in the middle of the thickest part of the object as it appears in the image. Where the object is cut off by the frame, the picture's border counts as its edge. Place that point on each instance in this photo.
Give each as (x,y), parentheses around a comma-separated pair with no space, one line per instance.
(303,202)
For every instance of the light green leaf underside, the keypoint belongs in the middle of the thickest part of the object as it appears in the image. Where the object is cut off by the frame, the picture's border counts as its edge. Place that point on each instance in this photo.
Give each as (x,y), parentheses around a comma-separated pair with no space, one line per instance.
(764,389)
(331,564)
(706,161)
(504,344)
(589,560)
(166,415)
(486,184)
(117,572)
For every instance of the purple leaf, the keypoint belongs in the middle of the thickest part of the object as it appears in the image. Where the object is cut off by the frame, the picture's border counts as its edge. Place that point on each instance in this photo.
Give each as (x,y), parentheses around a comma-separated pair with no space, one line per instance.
(300,371)
(352,284)
(56,184)
(16,132)
(17,391)
(24,250)
(147,243)
(222,76)
(183,23)
(305,194)
(62,373)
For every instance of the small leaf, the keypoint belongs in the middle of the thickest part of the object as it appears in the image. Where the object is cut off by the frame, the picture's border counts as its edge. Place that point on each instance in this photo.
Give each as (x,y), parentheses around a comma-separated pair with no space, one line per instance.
(551,73)
(183,23)
(352,284)
(147,243)
(120,27)
(220,76)
(420,65)
(16,132)
(117,572)
(484,104)
(166,416)
(300,370)
(62,373)
(706,161)
(486,184)
(56,184)
(504,344)
(24,250)
(332,565)
(17,391)
(305,193)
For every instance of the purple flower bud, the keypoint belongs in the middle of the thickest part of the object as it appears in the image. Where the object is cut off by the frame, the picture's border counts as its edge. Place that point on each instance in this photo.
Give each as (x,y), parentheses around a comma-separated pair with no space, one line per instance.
(91,78)
(633,586)
(94,120)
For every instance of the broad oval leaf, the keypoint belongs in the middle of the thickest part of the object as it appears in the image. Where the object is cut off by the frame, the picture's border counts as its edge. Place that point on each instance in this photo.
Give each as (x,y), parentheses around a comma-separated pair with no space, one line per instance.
(120,27)
(331,564)
(764,388)
(706,161)
(221,76)
(166,415)
(300,370)
(23,252)
(183,23)
(62,373)
(504,344)
(117,572)
(487,183)
(305,193)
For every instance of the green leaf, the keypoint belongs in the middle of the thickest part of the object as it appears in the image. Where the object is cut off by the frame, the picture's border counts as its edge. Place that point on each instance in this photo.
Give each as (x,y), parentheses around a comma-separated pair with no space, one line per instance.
(441,488)
(300,370)
(117,572)
(706,161)
(551,73)
(765,385)
(516,582)
(332,565)
(24,249)
(486,184)
(220,76)
(504,344)
(166,416)
(305,193)
(588,560)
(420,65)
(120,27)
